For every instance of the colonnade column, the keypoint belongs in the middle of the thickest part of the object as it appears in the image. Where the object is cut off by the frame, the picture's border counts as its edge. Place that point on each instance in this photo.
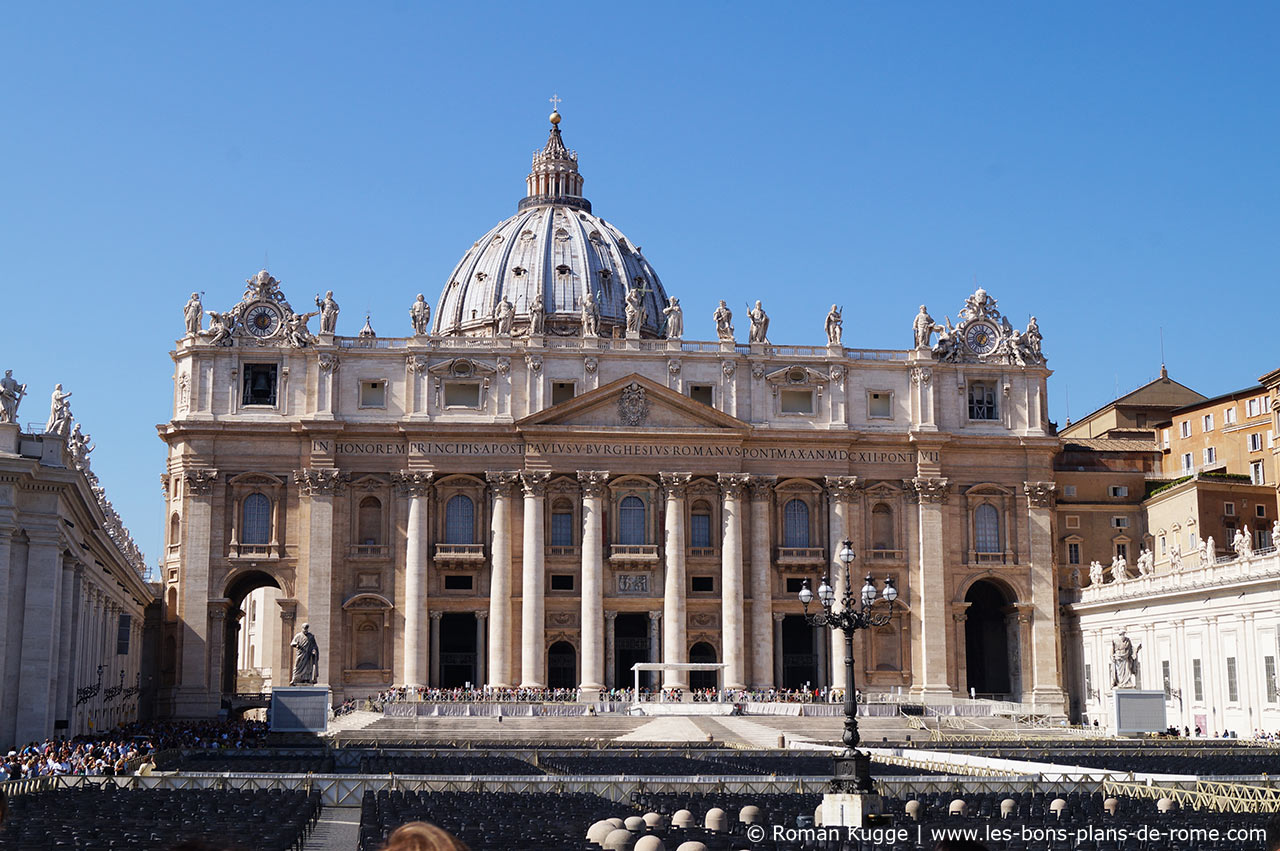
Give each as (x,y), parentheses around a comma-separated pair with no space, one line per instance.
(417,486)
(928,604)
(733,487)
(841,492)
(674,615)
(435,649)
(533,592)
(319,486)
(592,634)
(65,639)
(503,485)
(777,649)
(1046,685)
(37,664)
(762,651)
(7,528)
(192,699)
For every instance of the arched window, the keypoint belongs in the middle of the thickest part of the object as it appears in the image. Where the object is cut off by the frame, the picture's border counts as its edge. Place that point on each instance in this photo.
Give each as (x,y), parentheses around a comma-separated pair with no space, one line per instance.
(986,527)
(881,527)
(631,521)
(795,530)
(171,605)
(459,520)
(368,647)
(369,522)
(175,530)
(255,530)
(700,525)
(562,523)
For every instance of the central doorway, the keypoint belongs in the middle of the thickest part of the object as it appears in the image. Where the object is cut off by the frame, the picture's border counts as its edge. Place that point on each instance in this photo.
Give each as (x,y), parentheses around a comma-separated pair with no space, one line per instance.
(990,642)
(703,653)
(631,645)
(562,665)
(799,655)
(458,650)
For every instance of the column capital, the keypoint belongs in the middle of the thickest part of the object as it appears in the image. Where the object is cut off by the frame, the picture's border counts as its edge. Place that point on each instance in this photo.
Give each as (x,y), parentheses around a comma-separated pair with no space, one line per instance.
(199,480)
(674,485)
(481,616)
(534,482)
(733,485)
(610,615)
(413,482)
(762,487)
(593,483)
(1040,494)
(320,481)
(778,616)
(927,489)
(218,609)
(655,616)
(921,375)
(841,488)
(503,482)
(288,608)
(435,616)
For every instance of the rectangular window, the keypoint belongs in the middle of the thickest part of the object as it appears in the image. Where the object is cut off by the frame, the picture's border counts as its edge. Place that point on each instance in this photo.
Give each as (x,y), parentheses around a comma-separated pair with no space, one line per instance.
(700,530)
(795,584)
(1069,490)
(797,401)
(1119,491)
(123,627)
(1168,679)
(457,582)
(701,393)
(1233,689)
(1229,509)
(461,394)
(702,584)
(562,582)
(1210,455)
(562,529)
(1120,522)
(1164,545)
(1260,511)
(1187,463)
(1164,438)
(982,401)
(562,391)
(1197,681)
(1088,680)
(1252,407)
(373,394)
(1122,550)
(1269,673)
(1255,442)
(260,384)
(1073,521)
(1229,416)
(1186,428)
(880,405)
(1073,553)
(1208,422)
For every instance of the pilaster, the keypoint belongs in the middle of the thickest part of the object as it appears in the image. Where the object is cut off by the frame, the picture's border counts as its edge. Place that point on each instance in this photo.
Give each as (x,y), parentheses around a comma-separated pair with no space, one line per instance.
(928,602)
(318,487)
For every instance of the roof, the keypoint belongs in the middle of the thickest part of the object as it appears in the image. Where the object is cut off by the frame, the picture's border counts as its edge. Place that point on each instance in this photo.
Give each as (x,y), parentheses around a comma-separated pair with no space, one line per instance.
(1108,444)
(1253,390)
(1162,393)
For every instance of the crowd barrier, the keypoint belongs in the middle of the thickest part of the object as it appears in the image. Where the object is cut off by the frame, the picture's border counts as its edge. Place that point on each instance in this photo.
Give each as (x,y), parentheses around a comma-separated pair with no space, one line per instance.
(505,710)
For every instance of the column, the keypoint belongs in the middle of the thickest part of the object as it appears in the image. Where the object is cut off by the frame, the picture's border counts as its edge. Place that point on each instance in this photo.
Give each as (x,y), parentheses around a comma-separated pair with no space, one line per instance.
(482,630)
(65,638)
(219,676)
(288,624)
(435,649)
(778,678)
(655,639)
(762,668)
(7,673)
(533,592)
(76,651)
(841,493)
(318,486)
(675,617)
(415,485)
(610,652)
(37,664)
(192,699)
(593,486)
(1046,684)
(503,485)
(928,605)
(821,640)
(733,487)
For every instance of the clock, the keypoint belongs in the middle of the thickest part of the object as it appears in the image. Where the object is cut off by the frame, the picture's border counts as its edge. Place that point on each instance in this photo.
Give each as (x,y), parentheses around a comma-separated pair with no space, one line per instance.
(981,337)
(262,320)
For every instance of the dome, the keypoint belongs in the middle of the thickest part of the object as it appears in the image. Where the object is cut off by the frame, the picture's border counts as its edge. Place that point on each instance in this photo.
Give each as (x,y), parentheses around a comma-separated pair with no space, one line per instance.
(556,246)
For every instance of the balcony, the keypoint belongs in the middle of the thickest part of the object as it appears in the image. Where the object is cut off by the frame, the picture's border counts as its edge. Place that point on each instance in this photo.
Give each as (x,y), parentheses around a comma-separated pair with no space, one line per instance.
(879,554)
(459,553)
(563,550)
(990,558)
(800,557)
(254,551)
(369,551)
(702,552)
(633,553)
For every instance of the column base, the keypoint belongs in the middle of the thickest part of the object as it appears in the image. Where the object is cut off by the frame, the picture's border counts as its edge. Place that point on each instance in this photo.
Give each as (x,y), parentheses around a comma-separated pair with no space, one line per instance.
(937,693)
(532,685)
(589,692)
(850,809)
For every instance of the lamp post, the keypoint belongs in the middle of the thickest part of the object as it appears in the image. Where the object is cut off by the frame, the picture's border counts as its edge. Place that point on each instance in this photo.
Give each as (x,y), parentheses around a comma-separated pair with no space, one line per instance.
(852,766)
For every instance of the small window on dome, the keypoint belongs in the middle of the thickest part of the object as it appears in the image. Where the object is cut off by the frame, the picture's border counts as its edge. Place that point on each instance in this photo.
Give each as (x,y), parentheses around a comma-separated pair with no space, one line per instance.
(595,236)
(480,276)
(563,269)
(497,240)
(518,271)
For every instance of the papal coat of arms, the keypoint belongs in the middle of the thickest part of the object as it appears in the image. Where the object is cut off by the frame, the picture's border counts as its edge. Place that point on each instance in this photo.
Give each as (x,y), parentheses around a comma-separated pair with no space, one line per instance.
(633,406)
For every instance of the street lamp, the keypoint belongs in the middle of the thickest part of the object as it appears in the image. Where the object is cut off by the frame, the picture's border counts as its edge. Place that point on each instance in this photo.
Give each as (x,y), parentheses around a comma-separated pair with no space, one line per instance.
(852,766)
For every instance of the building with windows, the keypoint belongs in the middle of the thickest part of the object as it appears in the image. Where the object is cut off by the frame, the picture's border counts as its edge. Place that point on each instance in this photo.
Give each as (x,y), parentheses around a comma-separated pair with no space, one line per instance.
(1229,433)
(553,478)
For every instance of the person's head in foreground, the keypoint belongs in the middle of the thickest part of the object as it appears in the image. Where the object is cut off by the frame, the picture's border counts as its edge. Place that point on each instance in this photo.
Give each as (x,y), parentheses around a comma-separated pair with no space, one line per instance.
(421,836)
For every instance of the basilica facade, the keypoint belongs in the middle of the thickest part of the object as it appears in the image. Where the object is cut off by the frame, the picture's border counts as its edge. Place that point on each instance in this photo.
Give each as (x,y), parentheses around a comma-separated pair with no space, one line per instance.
(552,479)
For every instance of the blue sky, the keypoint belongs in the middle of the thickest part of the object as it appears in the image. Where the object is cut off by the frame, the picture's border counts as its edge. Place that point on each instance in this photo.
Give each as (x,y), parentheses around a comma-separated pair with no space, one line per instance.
(1108,167)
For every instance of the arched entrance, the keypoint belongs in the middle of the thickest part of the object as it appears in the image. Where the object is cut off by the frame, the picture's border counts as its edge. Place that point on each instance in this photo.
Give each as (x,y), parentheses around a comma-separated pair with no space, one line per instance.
(252,641)
(458,655)
(703,653)
(991,641)
(562,665)
(799,655)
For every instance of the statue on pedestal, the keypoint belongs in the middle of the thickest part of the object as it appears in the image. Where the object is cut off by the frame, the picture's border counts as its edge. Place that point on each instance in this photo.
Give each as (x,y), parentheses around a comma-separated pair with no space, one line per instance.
(420,315)
(1175,555)
(11,393)
(1146,562)
(537,316)
(759,324)
(194,314)
(1210,554)
(923,328)
(306,657)
(675,318)
(635,311)
(504,313)
(296,331)
(590,315)
(835,326)
(328,313)
(1097,574)
(59,413)
(1242,543)
(1124,662)
(724,322)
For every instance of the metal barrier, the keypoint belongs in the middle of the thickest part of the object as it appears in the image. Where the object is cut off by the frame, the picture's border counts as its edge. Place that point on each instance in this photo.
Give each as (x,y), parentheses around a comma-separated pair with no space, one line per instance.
(1214,795)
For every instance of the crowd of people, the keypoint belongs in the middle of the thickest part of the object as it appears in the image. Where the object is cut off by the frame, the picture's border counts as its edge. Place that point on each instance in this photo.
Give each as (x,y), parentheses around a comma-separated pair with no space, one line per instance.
(485,694)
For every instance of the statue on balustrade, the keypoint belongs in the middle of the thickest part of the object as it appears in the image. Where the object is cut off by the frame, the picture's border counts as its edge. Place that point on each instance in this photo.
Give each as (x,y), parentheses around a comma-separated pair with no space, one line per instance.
(675,318)
(420,315)
(328,313)
(1146,562)
(11,393)
(1243,544)
(306,657)
(194,314)
(1124,662)
(835,326)
(724,322)
(1096,574)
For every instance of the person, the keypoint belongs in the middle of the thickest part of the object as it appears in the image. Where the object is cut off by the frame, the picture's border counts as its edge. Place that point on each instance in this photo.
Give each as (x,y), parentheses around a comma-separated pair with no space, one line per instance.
(420,315)
(148,766)
(422,836)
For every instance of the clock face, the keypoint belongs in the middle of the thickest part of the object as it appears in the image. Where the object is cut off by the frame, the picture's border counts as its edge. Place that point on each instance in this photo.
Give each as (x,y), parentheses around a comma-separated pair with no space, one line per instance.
(262,320)
(981,338)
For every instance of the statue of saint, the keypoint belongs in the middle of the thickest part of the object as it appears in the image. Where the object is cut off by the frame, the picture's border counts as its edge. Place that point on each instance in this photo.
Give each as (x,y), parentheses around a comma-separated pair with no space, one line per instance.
(1119,568)
(296,331)
(537,316)
(59,413)
(1210,551)
(1096,573)
(220,326)
(78,447)
(590,315)
(1275,527)
(759,324)
(675,318)
(11,393)
(328,313)
(194,314)
(1124,662)
(306,657)
(1242,543)
(635,312)
(1146,562)
(923,327)
(504,313)
(835,326)
(420,315)
(1032,339)
(724,322)
(1175,555)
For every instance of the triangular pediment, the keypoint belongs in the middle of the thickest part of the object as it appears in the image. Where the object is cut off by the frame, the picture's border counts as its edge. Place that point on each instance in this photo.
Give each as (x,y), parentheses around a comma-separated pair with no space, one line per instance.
(634,403)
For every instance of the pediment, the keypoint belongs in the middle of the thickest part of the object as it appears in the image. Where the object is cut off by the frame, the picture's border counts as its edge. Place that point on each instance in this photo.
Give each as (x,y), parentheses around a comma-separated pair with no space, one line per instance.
(797,375)
(634,403)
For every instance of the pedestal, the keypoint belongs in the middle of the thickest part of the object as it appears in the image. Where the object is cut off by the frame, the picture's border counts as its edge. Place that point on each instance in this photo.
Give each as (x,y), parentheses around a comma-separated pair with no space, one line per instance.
(850,809)
(9,438)
(300,709)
